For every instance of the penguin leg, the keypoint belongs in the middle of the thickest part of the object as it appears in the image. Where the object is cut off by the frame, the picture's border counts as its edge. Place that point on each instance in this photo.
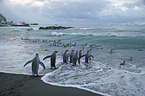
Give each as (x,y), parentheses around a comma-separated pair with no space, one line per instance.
(79,61)
(37,75)
(33,74)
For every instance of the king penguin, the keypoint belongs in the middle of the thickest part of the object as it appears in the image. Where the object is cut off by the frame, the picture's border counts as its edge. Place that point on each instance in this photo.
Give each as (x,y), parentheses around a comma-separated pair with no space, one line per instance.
(65,57)
(80,54)
(53,59)
(35,64)
(87,57)
(75,58)
(71,55)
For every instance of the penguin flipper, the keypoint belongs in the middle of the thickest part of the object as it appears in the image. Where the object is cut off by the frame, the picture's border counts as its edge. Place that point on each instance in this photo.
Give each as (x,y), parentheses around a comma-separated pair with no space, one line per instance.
(92,56)
(28,62)
(46,57)
(42,64)
(82,56)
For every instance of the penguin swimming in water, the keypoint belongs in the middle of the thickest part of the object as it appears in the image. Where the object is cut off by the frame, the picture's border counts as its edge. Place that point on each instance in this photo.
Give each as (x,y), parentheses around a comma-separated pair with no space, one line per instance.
(111,51)
(87,57)
(65,57)
(35,64)
(130,59)
(123,63)
(75,58)
(71,55)
(80,54)
(53,59)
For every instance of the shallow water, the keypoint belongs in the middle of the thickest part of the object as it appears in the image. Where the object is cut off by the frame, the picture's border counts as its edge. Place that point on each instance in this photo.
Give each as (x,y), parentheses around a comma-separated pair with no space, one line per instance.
(103,74)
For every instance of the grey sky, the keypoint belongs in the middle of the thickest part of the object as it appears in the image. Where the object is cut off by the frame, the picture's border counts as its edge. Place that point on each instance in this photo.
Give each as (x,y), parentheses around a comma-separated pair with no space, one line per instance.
(74,11)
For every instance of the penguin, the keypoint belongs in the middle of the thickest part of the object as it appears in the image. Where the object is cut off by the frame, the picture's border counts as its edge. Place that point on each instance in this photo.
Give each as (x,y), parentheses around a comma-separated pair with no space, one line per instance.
(74,44)
(71,55)
(90,53)
(140,50)
(53,59)
(111,51)
(35,64)
(75,58)
(65,57)
(130,59)
(80,54)
(123,63)
(87,57)
(84,44)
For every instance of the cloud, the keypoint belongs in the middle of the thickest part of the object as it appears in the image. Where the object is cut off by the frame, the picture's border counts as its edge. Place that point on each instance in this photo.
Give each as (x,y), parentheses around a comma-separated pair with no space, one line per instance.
(74,11)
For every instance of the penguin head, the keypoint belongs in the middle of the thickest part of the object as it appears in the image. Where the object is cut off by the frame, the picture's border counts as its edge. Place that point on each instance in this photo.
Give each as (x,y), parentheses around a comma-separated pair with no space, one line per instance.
(55,51)
(80,50)
(73,50)
(66,50)
(76,51)
(37,54)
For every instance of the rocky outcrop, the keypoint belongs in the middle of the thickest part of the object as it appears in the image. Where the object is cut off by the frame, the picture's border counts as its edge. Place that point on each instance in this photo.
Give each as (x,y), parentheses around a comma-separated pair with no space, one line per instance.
(54,28)
(2,19)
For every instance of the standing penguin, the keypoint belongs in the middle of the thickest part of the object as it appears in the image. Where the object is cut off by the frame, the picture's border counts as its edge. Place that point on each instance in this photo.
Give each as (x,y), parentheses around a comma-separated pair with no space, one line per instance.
(80,54)
(87,57)
(35,64)
(75,58)
(53,59)
(65,57)
(71,55)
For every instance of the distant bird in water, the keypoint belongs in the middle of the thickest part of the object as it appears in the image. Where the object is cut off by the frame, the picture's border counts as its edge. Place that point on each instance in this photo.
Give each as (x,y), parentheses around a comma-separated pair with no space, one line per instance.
(111,51)
(140,50)
(130,59)
(74,44)
(84,44)
(123,63)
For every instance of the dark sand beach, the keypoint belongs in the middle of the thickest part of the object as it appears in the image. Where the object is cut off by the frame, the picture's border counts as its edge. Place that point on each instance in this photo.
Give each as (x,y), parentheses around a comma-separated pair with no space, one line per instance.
(25,85)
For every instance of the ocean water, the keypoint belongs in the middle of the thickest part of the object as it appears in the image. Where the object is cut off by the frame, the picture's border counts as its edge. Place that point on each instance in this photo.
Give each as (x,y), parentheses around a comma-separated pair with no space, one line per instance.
(103,74)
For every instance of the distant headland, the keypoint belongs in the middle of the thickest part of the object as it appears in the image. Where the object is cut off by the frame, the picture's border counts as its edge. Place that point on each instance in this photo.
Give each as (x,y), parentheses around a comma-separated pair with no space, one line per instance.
(3,22)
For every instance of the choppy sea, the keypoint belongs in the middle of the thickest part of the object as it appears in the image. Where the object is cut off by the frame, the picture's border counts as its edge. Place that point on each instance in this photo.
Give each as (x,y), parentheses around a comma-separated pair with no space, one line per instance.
(103,74)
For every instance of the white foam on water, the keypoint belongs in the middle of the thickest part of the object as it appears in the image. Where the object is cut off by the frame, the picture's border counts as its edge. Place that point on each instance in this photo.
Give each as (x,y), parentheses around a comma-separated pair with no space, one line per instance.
(44,79)
(98,78)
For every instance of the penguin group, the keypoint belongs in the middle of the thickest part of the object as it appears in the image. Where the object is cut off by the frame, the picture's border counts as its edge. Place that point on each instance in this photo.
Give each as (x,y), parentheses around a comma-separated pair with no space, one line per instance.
(74,59)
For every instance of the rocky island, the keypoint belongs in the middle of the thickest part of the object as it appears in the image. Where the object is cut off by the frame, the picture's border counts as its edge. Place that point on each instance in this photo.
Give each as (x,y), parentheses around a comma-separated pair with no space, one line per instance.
(56,27)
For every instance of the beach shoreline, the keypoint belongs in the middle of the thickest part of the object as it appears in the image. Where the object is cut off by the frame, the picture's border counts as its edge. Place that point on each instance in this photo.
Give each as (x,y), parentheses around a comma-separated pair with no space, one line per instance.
(27,85)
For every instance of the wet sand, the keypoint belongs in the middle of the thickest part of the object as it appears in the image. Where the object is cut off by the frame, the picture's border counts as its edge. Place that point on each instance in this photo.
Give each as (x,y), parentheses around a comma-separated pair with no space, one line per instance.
(25,85)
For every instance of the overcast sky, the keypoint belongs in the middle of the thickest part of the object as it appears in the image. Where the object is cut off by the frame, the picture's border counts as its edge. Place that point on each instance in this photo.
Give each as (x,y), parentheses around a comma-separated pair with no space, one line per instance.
(74,11)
